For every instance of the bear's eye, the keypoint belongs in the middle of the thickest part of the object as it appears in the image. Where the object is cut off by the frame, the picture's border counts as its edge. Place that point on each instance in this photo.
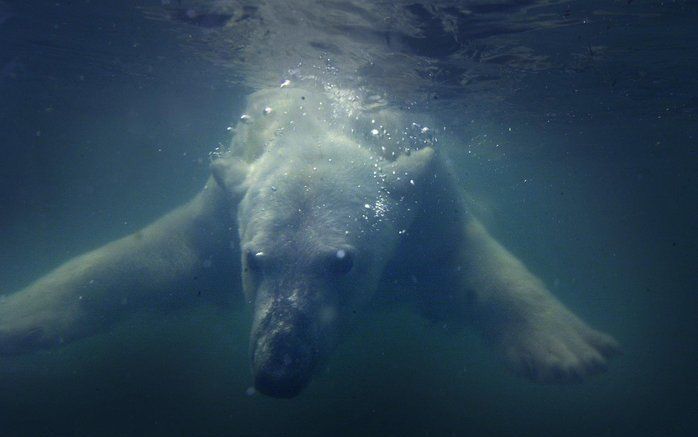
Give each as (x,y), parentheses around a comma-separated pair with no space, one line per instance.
(341,262)
(254,260)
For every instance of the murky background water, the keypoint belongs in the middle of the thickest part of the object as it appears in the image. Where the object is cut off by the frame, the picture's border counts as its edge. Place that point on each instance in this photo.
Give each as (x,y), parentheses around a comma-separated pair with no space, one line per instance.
(576,126)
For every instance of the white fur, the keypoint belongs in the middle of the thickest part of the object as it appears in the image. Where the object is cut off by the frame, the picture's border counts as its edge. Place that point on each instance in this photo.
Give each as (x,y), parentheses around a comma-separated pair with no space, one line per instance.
(304,177)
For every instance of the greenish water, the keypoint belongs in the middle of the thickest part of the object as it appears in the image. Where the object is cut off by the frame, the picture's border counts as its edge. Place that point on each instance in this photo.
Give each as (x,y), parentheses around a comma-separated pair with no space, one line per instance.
(594,186)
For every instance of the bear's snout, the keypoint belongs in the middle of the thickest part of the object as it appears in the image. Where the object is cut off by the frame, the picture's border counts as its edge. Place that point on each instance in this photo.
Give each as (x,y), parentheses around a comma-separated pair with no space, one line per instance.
(292,335)
(283,364)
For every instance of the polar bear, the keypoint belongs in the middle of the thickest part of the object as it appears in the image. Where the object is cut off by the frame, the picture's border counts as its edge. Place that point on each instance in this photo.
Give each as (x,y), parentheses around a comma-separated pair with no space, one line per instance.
(320,208)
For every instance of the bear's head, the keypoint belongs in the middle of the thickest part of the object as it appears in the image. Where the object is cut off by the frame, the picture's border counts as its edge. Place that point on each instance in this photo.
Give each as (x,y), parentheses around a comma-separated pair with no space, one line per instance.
(318,220)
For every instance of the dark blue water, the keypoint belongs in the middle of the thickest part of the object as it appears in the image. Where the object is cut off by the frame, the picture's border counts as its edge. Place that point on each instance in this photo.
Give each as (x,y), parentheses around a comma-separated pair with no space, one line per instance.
(575,128)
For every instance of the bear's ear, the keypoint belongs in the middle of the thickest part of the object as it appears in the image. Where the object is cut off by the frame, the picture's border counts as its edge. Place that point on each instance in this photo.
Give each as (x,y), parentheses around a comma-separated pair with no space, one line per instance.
(230,173)
(408,170)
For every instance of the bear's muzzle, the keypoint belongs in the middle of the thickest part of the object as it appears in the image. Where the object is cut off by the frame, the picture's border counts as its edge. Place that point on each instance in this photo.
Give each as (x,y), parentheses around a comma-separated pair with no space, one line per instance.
(287,347)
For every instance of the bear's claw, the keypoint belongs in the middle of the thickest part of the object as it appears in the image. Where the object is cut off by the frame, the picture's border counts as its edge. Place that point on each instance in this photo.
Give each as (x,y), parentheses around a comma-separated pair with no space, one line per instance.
(558,350)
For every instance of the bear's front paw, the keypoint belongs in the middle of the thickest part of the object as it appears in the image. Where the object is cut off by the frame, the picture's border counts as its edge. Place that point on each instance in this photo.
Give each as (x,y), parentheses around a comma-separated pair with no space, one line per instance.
(557,348)
(25,328)
(23,341)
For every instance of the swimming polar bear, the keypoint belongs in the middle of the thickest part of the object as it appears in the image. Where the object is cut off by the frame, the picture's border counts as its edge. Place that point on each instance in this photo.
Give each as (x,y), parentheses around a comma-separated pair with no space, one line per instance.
(320,218)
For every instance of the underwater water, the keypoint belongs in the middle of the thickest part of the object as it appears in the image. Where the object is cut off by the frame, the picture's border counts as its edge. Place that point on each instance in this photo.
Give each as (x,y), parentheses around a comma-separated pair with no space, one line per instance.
(573,127)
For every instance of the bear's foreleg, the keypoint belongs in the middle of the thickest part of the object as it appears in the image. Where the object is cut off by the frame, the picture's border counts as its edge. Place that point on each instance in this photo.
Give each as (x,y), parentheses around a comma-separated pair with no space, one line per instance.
(536,334)
(154,266)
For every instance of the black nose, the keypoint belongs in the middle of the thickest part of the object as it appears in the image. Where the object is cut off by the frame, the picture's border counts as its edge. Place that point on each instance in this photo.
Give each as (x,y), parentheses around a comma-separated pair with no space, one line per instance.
(283,366)
(278,385)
